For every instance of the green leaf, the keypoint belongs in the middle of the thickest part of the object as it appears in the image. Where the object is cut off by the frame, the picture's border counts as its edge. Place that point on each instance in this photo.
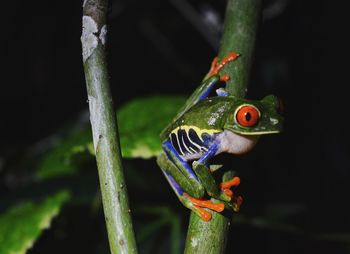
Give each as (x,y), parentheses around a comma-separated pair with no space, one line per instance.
(22,224)
(60,160)
(141,121)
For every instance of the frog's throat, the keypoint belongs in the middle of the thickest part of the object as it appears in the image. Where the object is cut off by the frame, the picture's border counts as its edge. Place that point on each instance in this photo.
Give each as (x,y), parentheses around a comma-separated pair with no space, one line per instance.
(233,143)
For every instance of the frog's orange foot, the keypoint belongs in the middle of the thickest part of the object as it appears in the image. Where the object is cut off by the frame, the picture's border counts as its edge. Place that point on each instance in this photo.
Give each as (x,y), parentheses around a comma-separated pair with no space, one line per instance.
(216,67)
(199,204)
(225,188)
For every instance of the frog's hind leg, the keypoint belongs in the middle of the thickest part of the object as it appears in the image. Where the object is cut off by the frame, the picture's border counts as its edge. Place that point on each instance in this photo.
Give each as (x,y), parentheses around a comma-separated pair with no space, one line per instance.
(195,204)
(187,189)
(188,184)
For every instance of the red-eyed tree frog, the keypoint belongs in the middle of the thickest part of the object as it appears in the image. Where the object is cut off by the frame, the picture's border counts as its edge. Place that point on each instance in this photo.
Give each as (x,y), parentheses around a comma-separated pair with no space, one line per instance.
(207,126)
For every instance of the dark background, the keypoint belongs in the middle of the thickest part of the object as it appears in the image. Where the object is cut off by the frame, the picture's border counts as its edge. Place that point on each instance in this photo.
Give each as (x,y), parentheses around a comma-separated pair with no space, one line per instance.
(165,47)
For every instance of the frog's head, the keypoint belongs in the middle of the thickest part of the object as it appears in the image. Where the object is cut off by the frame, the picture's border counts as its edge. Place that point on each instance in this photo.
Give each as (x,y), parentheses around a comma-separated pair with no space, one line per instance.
(255,117)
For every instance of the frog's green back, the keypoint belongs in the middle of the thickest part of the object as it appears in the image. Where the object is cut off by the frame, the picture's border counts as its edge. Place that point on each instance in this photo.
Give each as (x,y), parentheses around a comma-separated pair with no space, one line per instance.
(209,113)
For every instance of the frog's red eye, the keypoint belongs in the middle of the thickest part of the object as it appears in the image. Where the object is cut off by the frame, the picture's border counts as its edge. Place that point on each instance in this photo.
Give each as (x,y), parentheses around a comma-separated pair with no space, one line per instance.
(247,116)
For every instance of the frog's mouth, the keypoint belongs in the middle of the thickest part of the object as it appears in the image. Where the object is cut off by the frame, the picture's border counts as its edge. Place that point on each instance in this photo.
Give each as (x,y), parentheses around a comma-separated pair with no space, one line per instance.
(248,133)
(252,131)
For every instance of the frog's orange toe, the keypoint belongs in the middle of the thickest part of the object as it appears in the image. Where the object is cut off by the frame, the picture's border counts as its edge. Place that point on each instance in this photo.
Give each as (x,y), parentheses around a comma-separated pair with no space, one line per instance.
(228,184)
(218,207)
(224,78)
(216,67)
(225,188)
(228,192)
(199,204)
(205,215)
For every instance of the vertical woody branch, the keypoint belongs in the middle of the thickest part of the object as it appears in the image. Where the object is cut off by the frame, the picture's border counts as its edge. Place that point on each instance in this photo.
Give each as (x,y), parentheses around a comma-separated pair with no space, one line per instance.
(241,20)
(104,129)
(240,27)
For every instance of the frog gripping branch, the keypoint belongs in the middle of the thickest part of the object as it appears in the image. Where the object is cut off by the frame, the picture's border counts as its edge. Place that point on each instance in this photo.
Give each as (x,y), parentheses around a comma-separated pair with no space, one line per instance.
(207,126)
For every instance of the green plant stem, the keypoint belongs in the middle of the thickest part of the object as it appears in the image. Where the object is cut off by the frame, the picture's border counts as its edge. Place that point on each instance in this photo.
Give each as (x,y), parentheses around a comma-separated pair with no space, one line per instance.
(240,27)
(104,127)
(241,20)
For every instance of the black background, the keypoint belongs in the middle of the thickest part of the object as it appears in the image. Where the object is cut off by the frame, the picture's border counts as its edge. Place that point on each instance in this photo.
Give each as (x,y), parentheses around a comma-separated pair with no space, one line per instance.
(153,48)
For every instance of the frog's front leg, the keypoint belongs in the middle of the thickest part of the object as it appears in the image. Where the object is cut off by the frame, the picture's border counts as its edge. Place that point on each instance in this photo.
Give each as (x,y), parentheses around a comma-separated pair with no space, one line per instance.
(209,82)
(184,183)
(204,174)
(213,77)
